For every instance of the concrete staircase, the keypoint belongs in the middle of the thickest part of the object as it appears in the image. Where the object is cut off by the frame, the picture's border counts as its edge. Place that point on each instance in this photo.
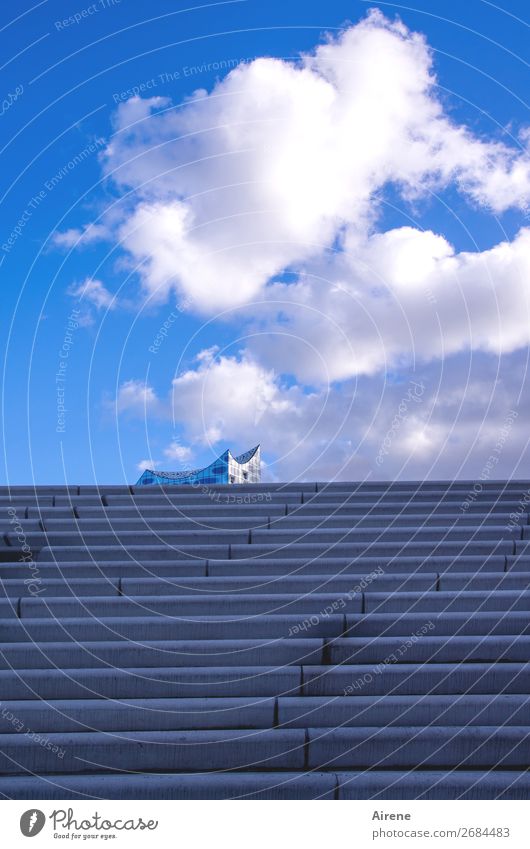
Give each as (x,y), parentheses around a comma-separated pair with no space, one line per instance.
(293,641)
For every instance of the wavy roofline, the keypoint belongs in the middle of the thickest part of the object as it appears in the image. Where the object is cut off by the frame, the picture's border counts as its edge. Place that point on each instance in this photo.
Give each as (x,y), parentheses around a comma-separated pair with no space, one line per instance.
(246,456)
(226,455)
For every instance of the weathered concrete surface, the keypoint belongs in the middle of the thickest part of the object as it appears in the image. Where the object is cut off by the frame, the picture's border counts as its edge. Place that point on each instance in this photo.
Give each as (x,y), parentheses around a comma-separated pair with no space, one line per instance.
(277,641)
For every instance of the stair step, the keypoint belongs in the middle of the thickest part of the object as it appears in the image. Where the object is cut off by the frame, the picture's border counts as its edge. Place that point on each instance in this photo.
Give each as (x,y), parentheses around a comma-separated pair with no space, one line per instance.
(159,628)
(39,586)
(409,647)
(374,549)
(241,785)
(165,751)
(122,654)
(390,710)
(414,679)
(167,714)
(438,624)
(314,563)
(180,607)
(269,584)
(418,747)
(200,713)
(72,571)
(151,682)
(377,785)
(444,601)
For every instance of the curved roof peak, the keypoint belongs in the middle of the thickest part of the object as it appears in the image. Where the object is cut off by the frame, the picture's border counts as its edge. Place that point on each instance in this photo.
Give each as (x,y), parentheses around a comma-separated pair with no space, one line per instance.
(248,455)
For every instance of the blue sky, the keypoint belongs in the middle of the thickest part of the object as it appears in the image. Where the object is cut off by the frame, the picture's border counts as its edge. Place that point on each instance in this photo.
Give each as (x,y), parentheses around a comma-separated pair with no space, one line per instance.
(296,223)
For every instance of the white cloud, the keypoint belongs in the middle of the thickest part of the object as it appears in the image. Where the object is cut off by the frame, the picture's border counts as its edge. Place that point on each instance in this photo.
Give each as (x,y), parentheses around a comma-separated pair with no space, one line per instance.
(448,428)
(95,292)
(178,452)
(266,170)
(225,395)
(78,238)
(137,397)
(399,297)
(147,464)
(282,167)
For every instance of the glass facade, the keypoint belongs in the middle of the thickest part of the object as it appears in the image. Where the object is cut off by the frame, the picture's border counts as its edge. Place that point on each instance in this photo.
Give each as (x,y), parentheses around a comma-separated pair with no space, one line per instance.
(246,468)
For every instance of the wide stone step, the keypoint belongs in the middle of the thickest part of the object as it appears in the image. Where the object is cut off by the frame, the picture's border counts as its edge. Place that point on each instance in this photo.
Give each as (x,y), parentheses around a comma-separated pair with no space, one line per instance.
(460,497)
(213,490)
(327,748)
(423,506)
(167,714)
(151,525)
(422,647)
(377,785)
(260,626)
(13,587)
(418,747)
(411,523)
(427,784)
(412,679)
(483,581)
(404,534)
(368,538)
(305,551)
(327,582)
(102,570)
(123,654)
(316,563)
(372,568)
(34,490)
(95,539)
(446,601)
(390,710)
(181,607)
(68,584)
(312,550)
(135,553)
(398,486)
(439,624)
(176,497)
(184,751)
(262,583)
(148,513)
(65,582)
(176,714)
(75,500)
(152,683)
(240,785)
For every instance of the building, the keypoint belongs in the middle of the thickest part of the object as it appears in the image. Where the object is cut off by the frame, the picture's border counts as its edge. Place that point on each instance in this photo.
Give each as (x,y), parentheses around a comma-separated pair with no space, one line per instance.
(226,469)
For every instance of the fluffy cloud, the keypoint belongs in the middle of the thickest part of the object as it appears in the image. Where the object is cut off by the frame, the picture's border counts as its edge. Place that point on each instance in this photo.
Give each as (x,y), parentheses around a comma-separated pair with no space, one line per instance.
(397,298)
(178,452)
(137,398)
(94,292)
(270,168)
(78,238)
(279,173)
(444,421)
(147,464)
(226,395)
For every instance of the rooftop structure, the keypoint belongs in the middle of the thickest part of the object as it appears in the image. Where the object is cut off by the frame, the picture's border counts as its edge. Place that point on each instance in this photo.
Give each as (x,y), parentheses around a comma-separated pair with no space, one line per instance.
(246,468)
